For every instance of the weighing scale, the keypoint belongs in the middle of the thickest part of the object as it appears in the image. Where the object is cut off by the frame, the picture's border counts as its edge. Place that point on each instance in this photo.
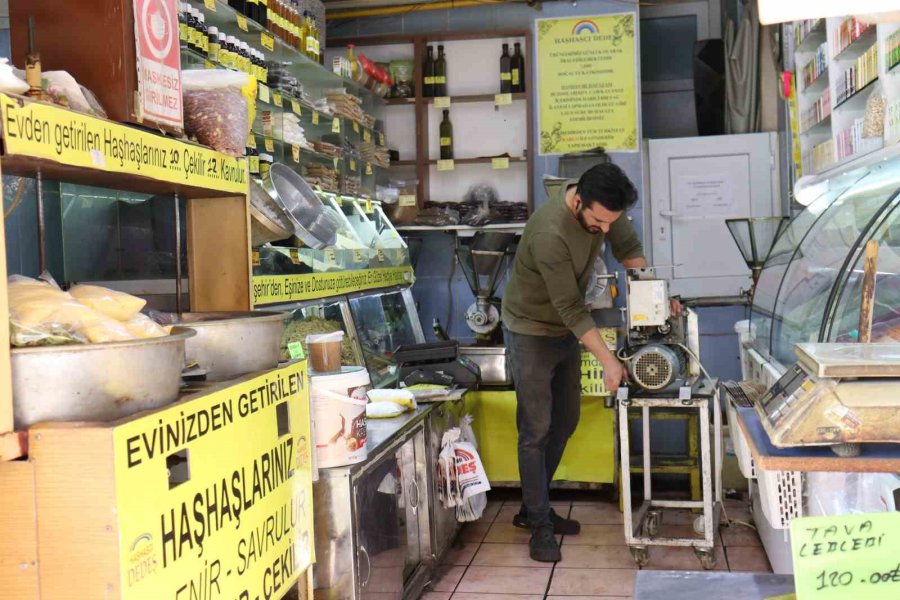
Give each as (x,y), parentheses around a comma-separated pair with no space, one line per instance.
(838,395)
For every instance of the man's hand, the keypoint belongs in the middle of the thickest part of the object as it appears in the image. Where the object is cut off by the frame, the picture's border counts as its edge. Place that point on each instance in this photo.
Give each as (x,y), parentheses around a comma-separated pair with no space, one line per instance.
(613,373)
(676,306)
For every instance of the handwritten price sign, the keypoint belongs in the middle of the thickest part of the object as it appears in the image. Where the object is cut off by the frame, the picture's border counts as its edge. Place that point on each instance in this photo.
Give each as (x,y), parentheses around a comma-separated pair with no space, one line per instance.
(847,557)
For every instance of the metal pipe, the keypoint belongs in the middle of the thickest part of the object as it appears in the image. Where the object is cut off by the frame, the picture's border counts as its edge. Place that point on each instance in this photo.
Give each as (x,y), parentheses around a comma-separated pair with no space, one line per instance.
(407,7)
(717,301)
(178,306)
(42,242)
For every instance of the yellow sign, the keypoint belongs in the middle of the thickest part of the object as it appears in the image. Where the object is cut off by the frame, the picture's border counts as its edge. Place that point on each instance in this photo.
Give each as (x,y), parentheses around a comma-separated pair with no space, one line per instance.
(352,165)
(442,102)
(445,165)
(270,145)
(267,40)
(502,99)
(355,126)
(242,23)
(254,258)
(367,135)
(330,257)
(335,160)
(214,496)
(368,168)
(587,75)
(592,383)
(210,4)
(380,139)
(278,289)
(368,206)
(407,200)
(335,125)
(295,106)
(276,99)
(500,162)
(208,64)
(847,556)
(264,94)
(66,137)
(295,153)
(315,118)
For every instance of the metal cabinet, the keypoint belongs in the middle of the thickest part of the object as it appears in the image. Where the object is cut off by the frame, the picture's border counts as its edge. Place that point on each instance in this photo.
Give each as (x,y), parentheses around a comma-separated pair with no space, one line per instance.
(373,536)
(443,520)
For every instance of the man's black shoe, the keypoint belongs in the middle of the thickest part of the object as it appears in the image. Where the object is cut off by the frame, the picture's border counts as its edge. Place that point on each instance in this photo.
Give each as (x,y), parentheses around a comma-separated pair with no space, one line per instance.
(561,525)
(543,546)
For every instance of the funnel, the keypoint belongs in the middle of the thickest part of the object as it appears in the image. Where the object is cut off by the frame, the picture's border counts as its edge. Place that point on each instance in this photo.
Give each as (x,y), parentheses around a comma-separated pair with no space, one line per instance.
(755,238)
(483,261)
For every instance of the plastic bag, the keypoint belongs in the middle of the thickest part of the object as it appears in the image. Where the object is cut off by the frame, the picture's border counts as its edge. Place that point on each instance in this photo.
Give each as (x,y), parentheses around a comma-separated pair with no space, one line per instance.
(64,90)
(115,305)
(462,482)
(143,327)
(216,110)
(384,410)
(404,398)
(9,82)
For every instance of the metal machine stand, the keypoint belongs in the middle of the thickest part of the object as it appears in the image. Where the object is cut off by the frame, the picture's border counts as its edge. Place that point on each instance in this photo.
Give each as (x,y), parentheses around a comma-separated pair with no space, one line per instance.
(642,532)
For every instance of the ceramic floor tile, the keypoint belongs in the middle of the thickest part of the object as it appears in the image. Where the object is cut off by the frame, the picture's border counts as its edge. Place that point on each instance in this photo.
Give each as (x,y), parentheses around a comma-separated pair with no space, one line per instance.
(447,578)
(474,532)
(505,580)
(503,532)
(460,553)
(597,535)
(595,557)
(596,514)
(436,596)
(748,558)
(506,514)
(503,555)
(680,558)
(588,597)
(593,582)
(739,535)
(490,511)
(477,596)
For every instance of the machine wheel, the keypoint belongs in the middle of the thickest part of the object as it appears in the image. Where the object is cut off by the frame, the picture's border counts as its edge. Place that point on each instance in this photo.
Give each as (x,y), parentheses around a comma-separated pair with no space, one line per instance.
(640,554)
(846,450)
(651,524)
(707,558)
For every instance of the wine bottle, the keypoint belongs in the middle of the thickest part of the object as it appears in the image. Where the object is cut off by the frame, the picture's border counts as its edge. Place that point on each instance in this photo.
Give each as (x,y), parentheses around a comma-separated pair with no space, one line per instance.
(505,71)
(428,80)
(440,73)
(446,137)
(518,70)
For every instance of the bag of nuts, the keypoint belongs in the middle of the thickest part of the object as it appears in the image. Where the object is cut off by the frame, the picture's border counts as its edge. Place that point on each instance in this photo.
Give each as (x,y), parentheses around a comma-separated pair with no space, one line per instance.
(215,110)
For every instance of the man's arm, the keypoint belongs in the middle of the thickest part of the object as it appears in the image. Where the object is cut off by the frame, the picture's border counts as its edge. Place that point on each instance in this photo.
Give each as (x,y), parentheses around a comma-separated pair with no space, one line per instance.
(613,372)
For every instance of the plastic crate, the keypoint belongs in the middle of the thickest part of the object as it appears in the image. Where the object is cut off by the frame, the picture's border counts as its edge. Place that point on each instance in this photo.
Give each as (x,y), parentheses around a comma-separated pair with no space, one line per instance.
(741,446)
(781,496)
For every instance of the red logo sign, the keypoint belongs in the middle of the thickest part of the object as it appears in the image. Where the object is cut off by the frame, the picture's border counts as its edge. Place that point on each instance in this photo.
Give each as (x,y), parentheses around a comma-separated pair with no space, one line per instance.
(158,61)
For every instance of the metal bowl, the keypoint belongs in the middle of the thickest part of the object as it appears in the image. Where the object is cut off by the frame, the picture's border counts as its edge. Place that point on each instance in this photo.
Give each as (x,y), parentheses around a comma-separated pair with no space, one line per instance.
(313,223)
(231,344)
(269,222)
(96,382)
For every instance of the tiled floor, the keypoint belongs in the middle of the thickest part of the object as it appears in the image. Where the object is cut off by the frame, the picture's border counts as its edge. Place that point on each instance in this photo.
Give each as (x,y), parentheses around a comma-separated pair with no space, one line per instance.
(490,559)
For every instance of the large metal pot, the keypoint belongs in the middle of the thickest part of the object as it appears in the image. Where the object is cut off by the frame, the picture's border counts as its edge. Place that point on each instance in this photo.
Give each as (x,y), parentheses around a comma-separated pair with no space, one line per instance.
(231,344)
(96,382)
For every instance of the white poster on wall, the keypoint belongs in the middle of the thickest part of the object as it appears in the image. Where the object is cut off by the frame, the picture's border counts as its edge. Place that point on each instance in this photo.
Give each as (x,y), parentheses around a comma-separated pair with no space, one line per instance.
(704,195)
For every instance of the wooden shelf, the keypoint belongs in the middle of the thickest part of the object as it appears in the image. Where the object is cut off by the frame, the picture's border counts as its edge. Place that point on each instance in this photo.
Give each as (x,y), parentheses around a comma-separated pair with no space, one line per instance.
(400,101)
(403,163)
(484,160)
(479,98)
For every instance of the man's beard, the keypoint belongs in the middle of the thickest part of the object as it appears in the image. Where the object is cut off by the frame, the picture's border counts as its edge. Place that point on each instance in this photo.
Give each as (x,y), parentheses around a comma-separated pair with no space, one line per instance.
(583,222)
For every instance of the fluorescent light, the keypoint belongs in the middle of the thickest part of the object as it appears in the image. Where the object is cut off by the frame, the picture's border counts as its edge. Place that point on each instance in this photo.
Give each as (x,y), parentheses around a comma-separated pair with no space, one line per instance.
(780,11)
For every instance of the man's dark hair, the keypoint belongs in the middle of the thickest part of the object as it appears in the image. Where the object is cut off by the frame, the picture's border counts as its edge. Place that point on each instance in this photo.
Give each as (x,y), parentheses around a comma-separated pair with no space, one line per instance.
(609,185)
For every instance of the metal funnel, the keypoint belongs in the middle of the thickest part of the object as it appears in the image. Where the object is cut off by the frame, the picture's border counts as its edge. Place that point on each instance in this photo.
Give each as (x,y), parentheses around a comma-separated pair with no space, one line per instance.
(483,260)
(755,238)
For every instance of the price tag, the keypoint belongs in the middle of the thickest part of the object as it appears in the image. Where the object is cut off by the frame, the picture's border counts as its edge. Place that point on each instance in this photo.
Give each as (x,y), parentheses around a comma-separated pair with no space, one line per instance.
(210,5)
(295,106)
(336,161)
(442,102)
(276,99)
(353,165)
(367,135)
(847,556)
(254,164)
(339,201)
(295,351)
(502,99)
(315,118)
(330,257)
(335,126)
(407,200)
(501,162)
(358,256)
(208,64)
(264,93)
(380,255)
(242,23)
(251,141)
(267,40)
(295,256)
(368,168)
(270,145)
(295,153)
(355,126)
(368,207)
(380,139)
(255,258)
(445,165)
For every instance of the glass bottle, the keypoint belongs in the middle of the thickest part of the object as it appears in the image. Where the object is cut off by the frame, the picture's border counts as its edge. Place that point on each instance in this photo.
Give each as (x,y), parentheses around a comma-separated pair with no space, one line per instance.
(203,36)
(192,29)
(226,51)
(263,13)
(238,5)
(518,69)
(183,23)
(428,81)
(446,136)
(214,46)
(440,73)
(314,33)
(505,71)
(251,9)
(354,64)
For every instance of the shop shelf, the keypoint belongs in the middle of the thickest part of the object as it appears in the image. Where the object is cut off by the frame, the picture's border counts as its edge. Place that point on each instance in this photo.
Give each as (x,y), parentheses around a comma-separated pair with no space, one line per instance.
(858,46)
(479,98)
(400,101)
(813,39)
(857,100)
(818,84)
(823,126)
(403,163)
(483,160)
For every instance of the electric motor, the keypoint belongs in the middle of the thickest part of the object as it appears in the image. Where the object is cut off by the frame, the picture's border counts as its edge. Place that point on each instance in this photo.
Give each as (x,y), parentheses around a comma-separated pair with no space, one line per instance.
(655,367)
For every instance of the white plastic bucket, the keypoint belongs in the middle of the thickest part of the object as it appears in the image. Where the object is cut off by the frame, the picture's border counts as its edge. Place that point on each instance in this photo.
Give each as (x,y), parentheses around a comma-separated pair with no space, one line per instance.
(339,414)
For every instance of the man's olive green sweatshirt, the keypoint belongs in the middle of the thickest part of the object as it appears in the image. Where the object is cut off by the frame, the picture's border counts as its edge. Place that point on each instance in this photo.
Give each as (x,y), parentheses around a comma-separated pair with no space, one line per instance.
(553,266)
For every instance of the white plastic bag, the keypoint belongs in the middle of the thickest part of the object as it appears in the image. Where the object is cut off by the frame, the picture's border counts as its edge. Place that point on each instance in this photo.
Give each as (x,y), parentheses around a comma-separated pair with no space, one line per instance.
(9,82)
(462,481)
(65,90)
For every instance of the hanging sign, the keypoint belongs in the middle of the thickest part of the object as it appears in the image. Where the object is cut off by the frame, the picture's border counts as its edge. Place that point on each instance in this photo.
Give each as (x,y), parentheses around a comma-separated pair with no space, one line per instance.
(586,84)
(158,62)
(278,289)
(848,556)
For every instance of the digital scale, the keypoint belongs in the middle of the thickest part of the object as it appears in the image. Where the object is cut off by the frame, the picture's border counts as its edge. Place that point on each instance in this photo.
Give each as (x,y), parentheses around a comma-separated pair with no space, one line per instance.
(838,395)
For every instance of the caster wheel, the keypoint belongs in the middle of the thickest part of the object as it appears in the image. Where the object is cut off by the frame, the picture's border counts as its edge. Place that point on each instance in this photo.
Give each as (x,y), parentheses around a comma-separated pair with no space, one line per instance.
(640,555)
(707,558)
(652,523)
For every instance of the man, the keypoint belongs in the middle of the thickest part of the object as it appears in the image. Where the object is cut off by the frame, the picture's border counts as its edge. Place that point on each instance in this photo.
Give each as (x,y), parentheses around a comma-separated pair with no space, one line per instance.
(545,315)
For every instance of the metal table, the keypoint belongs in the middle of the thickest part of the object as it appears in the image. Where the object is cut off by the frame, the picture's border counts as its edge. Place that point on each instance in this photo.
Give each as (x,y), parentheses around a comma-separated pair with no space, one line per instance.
(641,532)
(690,585)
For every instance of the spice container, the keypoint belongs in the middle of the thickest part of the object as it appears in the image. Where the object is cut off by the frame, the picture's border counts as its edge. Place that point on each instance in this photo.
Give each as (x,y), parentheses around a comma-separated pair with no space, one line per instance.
(325,351)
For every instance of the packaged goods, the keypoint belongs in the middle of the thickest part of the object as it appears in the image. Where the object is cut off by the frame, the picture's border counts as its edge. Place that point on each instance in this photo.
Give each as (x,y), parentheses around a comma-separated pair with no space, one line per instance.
(215,109)
(298,329)
(143,327)
(116,305)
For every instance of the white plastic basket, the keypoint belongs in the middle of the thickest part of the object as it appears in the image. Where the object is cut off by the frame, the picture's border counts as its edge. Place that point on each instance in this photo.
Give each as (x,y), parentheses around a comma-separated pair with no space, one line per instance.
(739,441)
(781,496)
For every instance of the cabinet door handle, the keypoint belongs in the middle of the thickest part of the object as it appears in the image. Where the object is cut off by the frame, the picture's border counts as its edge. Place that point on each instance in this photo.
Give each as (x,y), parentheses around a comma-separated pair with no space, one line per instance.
(364,552)
(413,485)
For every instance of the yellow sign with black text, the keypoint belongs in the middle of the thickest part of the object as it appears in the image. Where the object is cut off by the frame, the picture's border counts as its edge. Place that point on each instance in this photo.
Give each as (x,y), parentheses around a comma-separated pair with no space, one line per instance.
(279,289)
(214,495)
(587,78)
(592,383)
(66,137)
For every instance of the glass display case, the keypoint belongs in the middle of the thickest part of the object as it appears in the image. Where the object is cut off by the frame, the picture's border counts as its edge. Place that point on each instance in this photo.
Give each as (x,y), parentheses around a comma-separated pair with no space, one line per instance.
(321,316)
(810,287)
(384,321)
